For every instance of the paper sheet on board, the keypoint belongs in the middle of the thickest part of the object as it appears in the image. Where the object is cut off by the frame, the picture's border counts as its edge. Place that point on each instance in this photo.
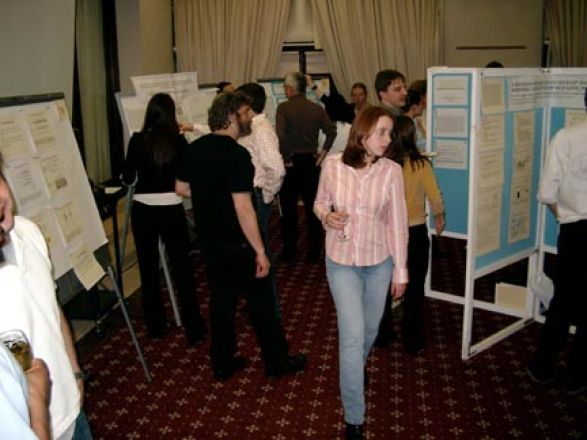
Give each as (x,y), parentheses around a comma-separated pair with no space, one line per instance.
(451,122)
(492,95)
(488,219)
(86,267)
(450,90)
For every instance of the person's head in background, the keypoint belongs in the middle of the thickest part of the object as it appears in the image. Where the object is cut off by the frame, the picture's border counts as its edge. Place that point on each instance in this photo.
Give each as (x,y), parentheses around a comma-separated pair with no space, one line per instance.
(256,95)
(160,129)
(420,85)
(295,83)
(338,110)
(494,65)
(6,207)
(391,88)
(414,105)
(359,95)
(160,113)
(224,87)
(231,113)
(403,144)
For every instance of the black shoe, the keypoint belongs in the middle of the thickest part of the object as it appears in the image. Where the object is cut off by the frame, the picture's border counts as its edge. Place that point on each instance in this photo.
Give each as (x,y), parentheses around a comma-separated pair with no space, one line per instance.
(575,386)
(293,364)
(384,339)
(539,375)
(194,337)
(353,432)
(237,364)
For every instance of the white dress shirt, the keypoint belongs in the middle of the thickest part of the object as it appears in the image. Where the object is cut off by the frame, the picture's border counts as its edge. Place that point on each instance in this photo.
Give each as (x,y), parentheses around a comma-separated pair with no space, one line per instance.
(28,302)
(263,145)
(564,177)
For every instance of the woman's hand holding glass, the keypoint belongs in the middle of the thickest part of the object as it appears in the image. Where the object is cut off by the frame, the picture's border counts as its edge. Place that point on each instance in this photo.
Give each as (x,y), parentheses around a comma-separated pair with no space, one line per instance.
(338,220)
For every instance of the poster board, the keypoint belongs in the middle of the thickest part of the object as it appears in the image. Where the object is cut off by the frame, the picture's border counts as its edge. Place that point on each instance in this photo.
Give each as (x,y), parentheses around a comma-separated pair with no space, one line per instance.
(490,128)
(44,169)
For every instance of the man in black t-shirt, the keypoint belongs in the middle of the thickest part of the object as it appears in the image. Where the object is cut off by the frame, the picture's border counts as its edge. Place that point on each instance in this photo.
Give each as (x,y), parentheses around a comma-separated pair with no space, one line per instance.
(218,174)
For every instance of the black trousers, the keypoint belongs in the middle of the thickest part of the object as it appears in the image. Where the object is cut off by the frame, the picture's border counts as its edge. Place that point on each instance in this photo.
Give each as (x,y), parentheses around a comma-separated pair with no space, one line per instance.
(231,270)
(568,305)
(301,179)
(150,222)
(413,327)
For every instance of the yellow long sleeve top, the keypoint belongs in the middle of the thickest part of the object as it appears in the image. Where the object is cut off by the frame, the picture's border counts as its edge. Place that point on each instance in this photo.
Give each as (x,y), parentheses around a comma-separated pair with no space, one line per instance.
(420,184)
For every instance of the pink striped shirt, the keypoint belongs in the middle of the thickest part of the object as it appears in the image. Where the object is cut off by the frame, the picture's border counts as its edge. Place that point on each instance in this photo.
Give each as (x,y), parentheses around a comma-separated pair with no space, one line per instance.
(376,204)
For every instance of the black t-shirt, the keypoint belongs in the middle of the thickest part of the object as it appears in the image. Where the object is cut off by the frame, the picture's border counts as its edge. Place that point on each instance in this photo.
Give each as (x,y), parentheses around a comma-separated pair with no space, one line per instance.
(216,166)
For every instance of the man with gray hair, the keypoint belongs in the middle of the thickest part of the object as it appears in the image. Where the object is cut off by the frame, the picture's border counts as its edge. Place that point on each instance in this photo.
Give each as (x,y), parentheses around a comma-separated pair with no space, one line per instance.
(298,121)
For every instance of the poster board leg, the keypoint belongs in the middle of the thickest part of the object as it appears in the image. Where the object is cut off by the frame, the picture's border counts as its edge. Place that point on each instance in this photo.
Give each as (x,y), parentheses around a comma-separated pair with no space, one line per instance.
(163,258)
(129,323)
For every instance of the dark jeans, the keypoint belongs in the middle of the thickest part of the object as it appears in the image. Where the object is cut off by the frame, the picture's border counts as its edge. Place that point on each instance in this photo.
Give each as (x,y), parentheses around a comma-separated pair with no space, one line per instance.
(413,333)
(568,305)
(263,216)
(301,179)
(82,429)
(169,222)
(231,270)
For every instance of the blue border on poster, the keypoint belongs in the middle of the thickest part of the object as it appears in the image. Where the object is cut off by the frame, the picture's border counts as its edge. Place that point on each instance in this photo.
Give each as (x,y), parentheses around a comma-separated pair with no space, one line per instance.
(557,121)
(453,183)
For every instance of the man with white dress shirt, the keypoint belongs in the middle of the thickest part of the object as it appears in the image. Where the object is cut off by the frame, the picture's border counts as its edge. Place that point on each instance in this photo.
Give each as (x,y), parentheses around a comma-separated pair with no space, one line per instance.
(563,188)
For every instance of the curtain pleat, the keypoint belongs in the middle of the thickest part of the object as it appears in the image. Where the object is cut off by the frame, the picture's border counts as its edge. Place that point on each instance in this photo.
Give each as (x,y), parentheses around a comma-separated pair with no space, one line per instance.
(361,37)
(232,40)
(92,81)
(566,25)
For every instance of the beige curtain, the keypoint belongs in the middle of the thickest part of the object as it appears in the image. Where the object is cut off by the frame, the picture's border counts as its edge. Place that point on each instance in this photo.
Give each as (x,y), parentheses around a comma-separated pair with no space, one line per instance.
(361,37)
(566,26)
(233,40)
(92,81)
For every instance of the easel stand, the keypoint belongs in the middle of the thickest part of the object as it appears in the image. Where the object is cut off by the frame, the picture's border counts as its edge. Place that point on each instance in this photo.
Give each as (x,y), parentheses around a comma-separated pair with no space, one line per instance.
(133,335)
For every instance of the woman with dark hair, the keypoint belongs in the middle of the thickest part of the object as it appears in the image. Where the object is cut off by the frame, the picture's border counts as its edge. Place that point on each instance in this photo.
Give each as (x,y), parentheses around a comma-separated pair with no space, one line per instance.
(361,204)
(152,160)
(420,184)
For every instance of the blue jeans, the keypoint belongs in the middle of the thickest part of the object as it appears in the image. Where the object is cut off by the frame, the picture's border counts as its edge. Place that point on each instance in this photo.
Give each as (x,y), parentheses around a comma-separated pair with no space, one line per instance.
(359,294)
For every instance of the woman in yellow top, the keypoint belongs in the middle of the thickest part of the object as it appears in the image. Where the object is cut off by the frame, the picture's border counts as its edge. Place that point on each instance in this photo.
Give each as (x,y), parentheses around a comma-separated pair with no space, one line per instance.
(420,184)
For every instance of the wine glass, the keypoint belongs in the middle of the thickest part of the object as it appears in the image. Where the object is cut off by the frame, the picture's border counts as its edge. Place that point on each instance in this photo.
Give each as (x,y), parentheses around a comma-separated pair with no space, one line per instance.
(17,342)
(341,234)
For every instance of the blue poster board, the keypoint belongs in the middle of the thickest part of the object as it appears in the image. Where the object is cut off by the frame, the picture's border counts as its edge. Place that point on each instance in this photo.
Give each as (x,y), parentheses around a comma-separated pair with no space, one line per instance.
(453,180)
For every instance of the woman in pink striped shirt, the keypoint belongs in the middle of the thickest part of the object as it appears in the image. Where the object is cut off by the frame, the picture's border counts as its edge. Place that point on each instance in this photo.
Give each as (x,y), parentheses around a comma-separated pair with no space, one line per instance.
(361,203)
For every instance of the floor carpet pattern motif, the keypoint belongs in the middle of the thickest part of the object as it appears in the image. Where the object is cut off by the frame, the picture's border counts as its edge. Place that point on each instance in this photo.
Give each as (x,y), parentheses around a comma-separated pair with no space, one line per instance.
(434,396)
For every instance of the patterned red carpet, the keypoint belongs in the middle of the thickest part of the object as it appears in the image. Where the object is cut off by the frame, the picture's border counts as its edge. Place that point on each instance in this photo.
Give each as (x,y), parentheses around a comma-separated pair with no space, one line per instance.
(436,396)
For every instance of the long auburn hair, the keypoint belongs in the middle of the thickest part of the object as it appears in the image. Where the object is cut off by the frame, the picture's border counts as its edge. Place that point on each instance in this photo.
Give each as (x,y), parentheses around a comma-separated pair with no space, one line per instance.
(364,124)
(404,143)
(160,129)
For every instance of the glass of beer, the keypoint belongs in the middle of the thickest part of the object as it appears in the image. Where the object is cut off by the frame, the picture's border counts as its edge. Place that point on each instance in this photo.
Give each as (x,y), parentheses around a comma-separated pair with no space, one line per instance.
(17,342)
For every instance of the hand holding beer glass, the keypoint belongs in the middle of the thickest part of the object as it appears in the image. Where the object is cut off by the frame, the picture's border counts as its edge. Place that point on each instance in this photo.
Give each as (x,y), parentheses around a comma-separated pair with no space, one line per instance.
(18,344)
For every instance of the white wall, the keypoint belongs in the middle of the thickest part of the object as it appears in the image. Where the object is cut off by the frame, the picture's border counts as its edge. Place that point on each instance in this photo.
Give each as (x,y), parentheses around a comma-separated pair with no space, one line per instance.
(482,23)
(37,47)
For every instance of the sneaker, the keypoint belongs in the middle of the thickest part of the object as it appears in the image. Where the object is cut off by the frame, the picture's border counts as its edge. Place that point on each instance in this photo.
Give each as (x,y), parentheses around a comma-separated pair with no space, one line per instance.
(539,376)
(293,364)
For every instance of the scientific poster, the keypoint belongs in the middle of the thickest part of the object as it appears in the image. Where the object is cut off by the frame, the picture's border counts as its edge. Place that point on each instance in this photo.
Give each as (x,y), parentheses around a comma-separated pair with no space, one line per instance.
(451,122)
(492,95)
(450,90)
(451,154)
(488,219)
